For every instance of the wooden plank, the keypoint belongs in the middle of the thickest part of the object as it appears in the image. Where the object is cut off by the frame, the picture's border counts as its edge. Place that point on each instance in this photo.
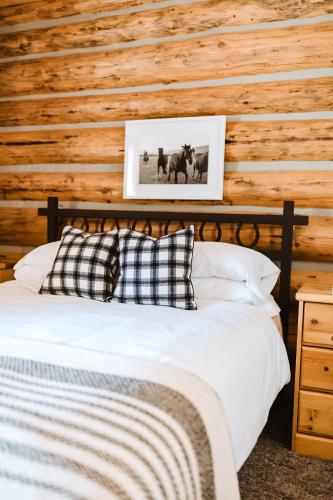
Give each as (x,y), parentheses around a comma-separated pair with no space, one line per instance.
(245,141)
(271,188)
(318,318)
(63,146)
(17,12)
(313,373)
(270,141)
(6,275)
(300,276)
(8,258)
(314,446)
(202,58)
(315,94)
(22,226)
(315,413)
(174,20)
(267,188)
(313,242)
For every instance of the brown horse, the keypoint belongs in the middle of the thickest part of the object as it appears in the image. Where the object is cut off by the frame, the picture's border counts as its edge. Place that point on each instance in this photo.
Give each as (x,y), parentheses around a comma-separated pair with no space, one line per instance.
(178,162)
(200,165)
(162,161)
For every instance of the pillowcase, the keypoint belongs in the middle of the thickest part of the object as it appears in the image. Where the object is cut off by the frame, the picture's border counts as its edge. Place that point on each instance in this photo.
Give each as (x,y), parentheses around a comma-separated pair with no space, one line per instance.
(33,268)
(232,291)
(32,277)
(86,265)
(42,256)
(233,262)
(156,271)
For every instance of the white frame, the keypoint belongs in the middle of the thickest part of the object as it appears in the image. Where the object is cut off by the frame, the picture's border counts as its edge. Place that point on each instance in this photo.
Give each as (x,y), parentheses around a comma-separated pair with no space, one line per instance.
(213,190)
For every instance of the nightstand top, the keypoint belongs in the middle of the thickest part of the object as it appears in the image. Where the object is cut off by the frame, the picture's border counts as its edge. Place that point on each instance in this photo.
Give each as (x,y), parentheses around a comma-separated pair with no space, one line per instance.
(316,292)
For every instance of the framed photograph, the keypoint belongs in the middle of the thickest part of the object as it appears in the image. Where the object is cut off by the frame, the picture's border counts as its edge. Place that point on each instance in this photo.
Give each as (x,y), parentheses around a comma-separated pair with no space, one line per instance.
(175,158)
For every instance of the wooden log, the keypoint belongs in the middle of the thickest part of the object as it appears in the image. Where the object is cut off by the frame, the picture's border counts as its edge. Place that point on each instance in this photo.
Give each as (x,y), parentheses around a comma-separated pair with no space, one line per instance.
(260,188)
(245,141)
(63,146)
(203,58)
(17,12)
(174,20)
(22,226)
(315,94)
(279,140)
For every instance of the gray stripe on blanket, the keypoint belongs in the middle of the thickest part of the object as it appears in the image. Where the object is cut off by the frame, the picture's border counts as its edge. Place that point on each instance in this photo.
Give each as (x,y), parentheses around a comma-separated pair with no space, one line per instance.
(55,436)
(120,413)
(158,395)
(102,420)
(87,430)
(35,483)
(47,458)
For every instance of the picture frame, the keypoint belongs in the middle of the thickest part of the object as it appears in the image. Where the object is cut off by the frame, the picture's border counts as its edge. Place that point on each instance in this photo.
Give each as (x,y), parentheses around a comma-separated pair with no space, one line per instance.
(175,158)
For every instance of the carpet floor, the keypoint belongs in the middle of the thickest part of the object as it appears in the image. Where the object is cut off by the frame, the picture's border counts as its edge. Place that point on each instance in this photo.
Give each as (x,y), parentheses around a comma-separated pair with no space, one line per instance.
(273,472)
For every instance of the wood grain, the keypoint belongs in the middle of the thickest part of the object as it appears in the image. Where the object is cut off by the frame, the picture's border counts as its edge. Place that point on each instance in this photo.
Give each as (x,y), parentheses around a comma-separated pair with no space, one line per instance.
(203,58)
(317,368)
(318,322)
(17,12)
(22,226)
(245,141)
(63,146)
(169,21)
(310,242)
(267,188)
(315,94)
(314,276)
(314,446)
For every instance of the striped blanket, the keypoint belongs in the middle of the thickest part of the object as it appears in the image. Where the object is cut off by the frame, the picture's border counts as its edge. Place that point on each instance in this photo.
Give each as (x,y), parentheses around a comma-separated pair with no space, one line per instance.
(82,424)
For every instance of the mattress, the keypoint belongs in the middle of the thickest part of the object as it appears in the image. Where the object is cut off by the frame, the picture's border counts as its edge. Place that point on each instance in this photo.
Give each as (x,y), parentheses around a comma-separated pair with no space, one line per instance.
(235,348)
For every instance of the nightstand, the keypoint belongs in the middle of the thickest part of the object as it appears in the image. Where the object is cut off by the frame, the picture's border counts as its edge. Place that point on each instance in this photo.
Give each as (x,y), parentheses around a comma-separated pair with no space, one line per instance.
(6,273)
(312,432)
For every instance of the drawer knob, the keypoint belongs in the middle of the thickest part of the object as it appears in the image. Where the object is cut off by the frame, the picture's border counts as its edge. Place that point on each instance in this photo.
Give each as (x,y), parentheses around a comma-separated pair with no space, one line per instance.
(326,368)
(314,321)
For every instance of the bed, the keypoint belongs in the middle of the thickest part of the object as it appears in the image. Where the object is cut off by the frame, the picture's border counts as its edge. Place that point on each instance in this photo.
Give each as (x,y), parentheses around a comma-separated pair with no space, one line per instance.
(227,360)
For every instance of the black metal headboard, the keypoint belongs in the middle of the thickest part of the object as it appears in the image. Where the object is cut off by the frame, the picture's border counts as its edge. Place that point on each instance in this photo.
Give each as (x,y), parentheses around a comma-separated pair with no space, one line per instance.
(287,220)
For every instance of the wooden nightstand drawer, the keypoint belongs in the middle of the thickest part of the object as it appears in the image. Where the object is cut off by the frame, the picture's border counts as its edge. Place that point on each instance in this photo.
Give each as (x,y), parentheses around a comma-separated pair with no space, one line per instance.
(317,368)
(318,324)
(315,414)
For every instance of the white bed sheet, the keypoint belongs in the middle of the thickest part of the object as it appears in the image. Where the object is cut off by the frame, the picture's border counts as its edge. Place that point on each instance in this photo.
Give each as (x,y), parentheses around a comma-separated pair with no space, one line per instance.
(235,348)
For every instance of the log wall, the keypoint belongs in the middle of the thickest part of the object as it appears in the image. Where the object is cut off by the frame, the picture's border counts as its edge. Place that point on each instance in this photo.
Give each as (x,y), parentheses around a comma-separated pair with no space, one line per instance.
(72,72)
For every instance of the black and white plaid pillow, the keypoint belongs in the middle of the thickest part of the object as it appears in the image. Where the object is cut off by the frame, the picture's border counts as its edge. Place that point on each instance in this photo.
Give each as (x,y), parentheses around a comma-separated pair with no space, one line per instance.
(87,265)
(156,271)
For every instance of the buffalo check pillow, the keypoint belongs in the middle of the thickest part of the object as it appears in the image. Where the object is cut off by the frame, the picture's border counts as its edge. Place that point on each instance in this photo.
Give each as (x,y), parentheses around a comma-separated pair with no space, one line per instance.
(86,265)
(156,271)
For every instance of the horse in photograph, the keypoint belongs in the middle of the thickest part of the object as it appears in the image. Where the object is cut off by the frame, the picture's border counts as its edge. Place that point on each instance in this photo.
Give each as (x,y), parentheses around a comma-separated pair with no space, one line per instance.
(200,165)
(178,162)
(162,161)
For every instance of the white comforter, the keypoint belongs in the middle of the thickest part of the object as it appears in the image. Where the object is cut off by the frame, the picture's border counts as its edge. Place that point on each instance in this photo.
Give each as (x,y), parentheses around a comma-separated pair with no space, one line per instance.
(235,348)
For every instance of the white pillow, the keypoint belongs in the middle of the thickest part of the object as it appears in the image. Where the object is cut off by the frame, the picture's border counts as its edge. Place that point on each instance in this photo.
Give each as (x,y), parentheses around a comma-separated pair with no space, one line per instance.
(35,265)
(237,263)
(232,291)
(222,289)
(40,256)
(32,276)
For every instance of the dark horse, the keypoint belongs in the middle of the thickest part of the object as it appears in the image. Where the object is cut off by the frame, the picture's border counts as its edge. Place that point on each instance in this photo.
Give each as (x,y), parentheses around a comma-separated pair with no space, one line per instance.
(200,165)
(161,161)
(145,156)
(177,162)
